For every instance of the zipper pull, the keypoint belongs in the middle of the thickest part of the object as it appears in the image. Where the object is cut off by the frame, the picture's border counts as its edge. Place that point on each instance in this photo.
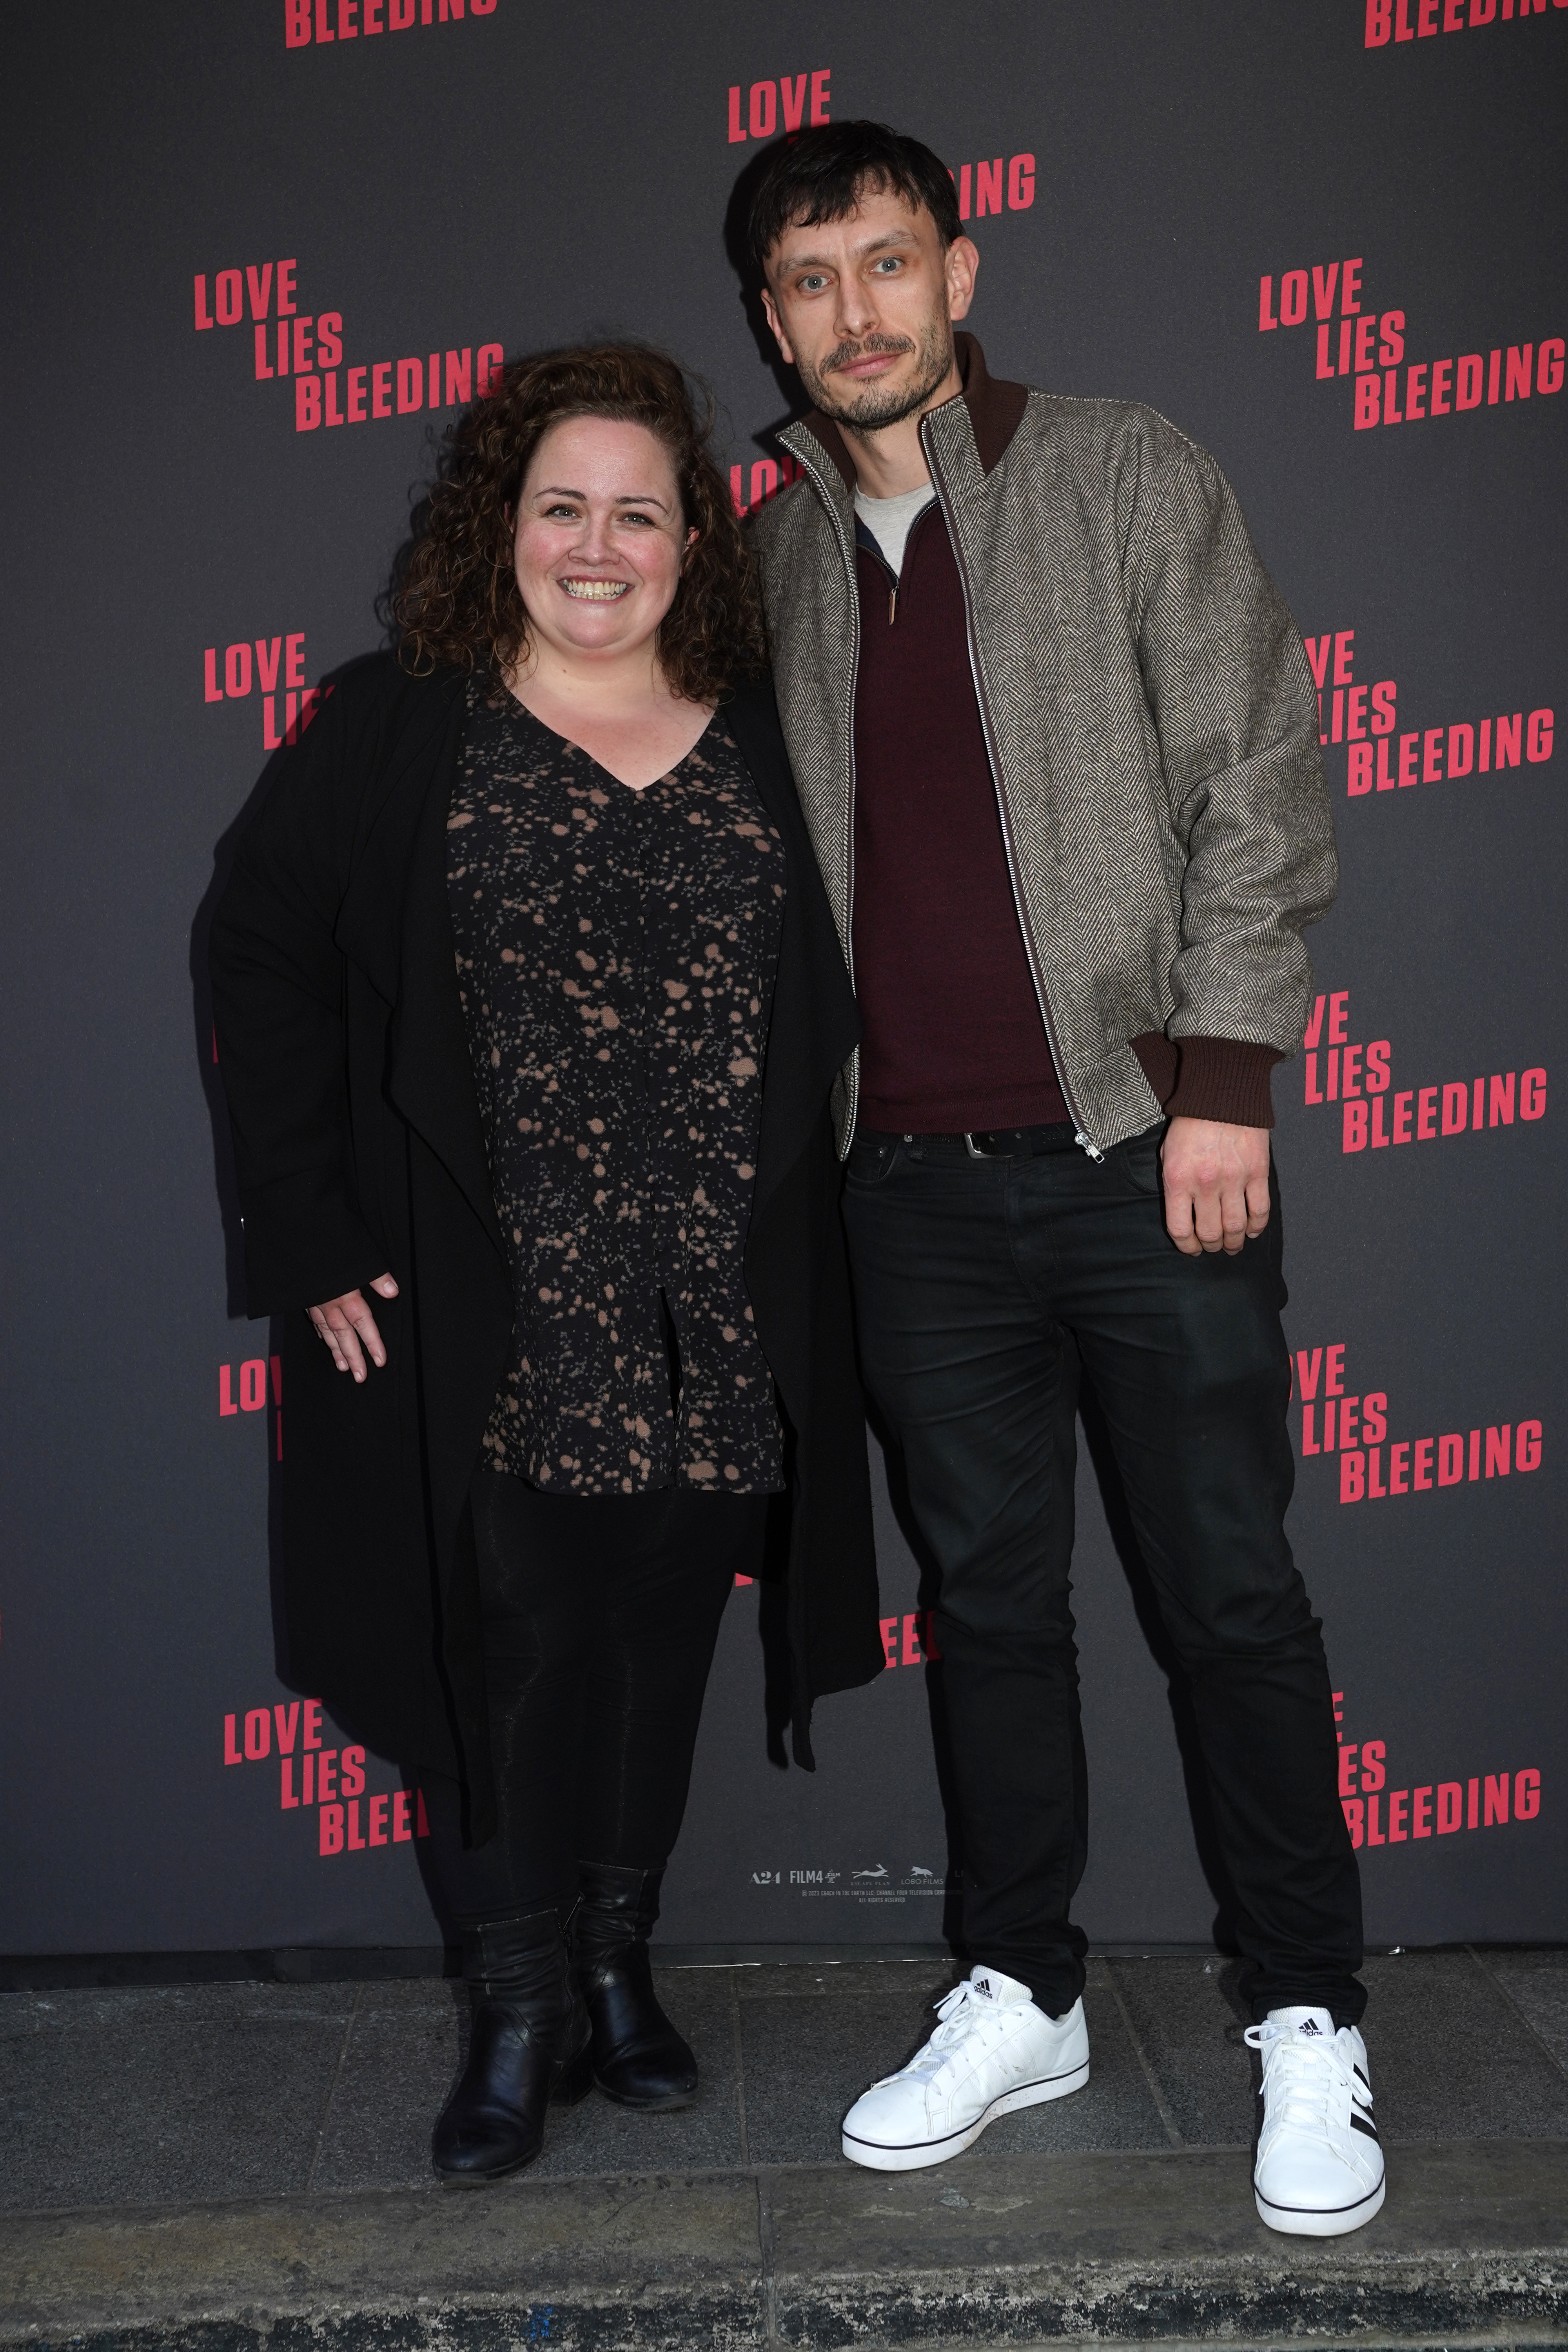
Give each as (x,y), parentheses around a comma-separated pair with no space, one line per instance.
(1093,1150)
(892,603)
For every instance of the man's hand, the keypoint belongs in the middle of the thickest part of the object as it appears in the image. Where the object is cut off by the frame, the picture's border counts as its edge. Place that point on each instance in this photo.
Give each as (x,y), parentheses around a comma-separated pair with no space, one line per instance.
(1216,1184)
(347,1322)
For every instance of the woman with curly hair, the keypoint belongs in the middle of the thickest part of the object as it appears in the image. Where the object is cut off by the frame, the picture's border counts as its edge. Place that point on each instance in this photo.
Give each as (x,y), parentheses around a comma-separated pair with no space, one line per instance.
(528,1006)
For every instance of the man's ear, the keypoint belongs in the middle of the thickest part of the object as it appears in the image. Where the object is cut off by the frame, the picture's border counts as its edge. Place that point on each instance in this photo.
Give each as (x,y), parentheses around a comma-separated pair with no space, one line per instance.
(776,324)
(959,269)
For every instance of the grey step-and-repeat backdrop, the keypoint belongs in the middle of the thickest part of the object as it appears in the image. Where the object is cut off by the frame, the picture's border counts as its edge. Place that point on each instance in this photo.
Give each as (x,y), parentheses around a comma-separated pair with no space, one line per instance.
(260,253)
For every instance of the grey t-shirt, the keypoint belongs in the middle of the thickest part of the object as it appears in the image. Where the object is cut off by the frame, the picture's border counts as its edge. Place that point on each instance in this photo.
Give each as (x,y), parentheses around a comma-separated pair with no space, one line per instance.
(891,520)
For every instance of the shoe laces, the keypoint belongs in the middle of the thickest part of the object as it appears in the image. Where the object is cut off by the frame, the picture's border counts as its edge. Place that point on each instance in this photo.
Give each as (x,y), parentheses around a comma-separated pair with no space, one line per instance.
(1300,2078)
(962,2014)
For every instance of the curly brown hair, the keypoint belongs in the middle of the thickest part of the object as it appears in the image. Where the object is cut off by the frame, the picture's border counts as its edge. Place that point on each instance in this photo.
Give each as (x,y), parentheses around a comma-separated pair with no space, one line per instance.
(457,604)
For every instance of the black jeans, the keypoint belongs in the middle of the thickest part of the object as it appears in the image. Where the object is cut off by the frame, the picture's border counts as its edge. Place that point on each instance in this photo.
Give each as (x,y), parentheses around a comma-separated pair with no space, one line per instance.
(980,1285)
(600,1616)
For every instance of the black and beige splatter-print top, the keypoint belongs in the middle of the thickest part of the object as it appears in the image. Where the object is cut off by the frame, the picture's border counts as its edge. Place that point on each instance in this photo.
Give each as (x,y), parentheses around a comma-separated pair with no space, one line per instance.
(615,960)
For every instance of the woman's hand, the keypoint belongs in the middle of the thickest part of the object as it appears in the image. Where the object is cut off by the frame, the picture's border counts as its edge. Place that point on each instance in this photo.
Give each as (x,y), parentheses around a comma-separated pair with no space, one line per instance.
(348,1327)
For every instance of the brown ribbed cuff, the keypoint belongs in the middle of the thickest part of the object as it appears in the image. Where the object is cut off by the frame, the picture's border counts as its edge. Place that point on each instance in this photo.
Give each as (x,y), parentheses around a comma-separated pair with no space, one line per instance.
(1210,1077)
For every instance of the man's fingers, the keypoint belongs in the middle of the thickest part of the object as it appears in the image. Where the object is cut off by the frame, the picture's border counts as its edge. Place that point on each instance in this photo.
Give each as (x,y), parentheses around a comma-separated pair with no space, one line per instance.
(1208,1222)
(1257,1207)
(1179,1222)
(1233,1219)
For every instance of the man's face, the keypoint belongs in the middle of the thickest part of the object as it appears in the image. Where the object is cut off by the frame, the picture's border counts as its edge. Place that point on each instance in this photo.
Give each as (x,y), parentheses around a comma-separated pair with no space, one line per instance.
(864,307)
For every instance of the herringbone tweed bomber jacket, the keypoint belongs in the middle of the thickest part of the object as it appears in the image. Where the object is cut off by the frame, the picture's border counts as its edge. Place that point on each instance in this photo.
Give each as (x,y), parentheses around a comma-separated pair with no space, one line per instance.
(1151,724)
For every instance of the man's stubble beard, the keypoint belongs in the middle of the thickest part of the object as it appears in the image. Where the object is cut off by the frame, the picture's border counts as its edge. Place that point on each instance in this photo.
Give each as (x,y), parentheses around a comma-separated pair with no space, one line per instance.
(872,409)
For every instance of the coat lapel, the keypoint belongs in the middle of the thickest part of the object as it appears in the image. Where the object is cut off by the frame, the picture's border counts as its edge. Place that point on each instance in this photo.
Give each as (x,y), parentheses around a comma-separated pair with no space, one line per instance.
(396,925)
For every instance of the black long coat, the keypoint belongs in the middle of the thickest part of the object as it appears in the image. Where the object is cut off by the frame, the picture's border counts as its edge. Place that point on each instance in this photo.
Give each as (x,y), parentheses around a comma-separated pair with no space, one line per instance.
(359,1151)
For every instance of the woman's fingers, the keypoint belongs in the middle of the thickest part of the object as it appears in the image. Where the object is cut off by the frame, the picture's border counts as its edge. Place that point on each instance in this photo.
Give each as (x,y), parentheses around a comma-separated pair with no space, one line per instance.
(349,1328)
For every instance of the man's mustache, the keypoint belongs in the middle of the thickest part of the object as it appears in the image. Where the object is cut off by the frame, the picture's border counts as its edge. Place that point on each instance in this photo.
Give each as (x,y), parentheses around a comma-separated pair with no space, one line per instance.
(845,352)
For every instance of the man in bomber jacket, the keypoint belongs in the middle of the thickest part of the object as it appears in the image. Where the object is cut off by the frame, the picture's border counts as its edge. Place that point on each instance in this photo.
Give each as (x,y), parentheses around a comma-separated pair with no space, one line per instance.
(1055,738)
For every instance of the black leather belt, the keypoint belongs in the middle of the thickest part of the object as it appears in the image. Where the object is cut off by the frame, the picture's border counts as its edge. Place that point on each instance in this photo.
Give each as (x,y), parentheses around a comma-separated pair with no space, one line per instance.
(1020,1142)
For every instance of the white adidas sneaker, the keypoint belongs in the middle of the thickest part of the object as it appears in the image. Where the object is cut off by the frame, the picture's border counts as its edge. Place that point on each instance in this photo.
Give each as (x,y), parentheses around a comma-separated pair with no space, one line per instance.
(1319,2169)
(992,2051)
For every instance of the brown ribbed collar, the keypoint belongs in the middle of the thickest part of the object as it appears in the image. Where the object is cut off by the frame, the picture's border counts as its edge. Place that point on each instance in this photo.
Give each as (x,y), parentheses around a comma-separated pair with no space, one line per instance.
(995,411)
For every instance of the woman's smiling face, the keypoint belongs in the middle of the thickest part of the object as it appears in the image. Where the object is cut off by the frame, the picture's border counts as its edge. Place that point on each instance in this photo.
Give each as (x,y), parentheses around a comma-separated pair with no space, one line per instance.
(599,537)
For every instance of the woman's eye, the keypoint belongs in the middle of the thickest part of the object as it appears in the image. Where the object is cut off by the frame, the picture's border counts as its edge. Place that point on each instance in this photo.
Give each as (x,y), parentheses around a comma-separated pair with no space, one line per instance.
(561,514)
(646,522)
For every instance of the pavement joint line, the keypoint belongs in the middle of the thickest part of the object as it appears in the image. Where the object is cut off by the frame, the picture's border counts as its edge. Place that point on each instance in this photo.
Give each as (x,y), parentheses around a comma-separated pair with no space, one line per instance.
(1173,2130)
(1535,2031)
(321,2128)
(767,2241)
(739,2043)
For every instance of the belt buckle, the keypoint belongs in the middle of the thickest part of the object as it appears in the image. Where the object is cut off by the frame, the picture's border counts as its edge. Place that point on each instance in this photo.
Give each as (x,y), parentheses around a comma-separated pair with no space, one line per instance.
(973,1148)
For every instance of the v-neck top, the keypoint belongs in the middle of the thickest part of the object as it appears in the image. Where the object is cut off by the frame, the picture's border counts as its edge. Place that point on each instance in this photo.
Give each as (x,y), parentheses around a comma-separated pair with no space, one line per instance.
(616,952)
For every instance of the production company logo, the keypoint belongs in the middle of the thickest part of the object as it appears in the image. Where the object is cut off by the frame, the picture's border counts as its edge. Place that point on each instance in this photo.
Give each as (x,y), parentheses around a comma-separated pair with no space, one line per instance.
(871,1883)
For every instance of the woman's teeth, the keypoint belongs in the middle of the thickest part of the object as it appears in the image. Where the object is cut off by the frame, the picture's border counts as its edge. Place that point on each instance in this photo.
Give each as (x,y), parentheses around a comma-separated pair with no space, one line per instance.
(596,591)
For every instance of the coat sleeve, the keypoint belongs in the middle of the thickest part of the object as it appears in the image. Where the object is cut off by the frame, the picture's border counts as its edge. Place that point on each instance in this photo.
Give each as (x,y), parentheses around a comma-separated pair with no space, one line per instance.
(1236,713)
(277,981)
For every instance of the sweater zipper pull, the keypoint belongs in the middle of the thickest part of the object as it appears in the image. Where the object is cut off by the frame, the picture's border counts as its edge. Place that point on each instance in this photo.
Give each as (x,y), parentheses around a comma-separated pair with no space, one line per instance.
(1084,1144)
(892,603)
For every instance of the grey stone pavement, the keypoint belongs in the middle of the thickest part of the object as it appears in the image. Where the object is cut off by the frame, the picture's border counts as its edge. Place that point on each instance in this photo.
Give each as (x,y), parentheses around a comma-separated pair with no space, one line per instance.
(207,2164)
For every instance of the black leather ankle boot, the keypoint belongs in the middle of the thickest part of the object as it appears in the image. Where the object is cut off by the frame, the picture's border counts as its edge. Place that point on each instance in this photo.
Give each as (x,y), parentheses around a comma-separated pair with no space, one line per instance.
(638,2057)
(529,2044)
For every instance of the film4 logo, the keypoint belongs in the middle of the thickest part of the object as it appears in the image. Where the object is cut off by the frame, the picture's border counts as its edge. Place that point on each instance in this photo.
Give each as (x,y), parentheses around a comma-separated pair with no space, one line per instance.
(1354,1425)
(1376,1814)
(331,1780)
(1376,1115)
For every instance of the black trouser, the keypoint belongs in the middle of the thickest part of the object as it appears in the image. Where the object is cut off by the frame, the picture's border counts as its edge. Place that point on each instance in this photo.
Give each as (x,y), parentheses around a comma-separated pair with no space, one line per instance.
(600,1614)
(975,1280)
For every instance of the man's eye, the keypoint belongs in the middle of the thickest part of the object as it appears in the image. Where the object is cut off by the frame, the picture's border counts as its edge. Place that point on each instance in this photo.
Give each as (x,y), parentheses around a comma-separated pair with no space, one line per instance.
(812,285)
(889,262)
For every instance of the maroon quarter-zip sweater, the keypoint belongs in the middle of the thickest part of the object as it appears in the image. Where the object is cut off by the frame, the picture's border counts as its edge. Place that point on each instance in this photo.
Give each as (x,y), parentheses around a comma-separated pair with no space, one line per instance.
(953,1036)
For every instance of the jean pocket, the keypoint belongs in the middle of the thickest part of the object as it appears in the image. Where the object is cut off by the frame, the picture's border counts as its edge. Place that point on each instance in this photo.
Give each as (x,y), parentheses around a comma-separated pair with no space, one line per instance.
(873,1159)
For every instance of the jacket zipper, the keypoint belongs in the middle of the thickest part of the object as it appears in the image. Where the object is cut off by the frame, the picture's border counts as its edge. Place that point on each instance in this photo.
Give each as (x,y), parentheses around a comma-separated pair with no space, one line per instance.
(1080,1136)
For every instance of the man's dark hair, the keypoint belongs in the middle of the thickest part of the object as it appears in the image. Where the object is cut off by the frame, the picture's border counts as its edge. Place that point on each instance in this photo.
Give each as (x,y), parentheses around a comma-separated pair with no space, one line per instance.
(818,176)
